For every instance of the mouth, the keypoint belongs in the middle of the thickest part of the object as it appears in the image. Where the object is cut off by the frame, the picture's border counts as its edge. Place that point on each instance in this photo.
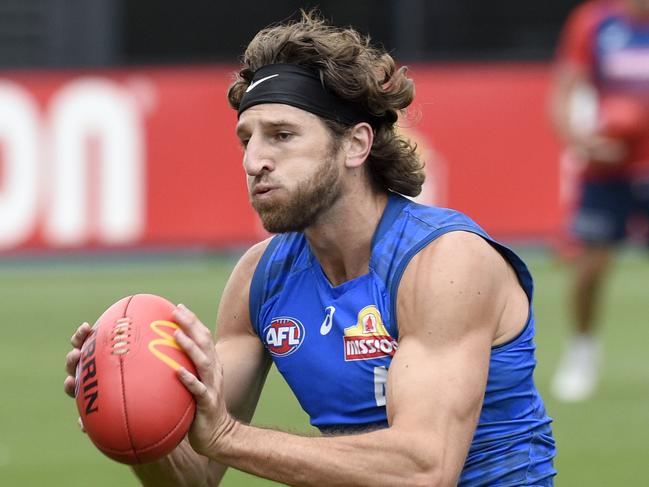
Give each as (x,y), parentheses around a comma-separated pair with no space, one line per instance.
(261,190)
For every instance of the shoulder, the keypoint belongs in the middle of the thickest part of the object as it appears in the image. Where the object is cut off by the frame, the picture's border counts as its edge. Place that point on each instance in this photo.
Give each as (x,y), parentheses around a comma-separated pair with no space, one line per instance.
(247,264)
(578,32)
(234,305)
(460,280)
(458,251)
(583,19)
(593,10)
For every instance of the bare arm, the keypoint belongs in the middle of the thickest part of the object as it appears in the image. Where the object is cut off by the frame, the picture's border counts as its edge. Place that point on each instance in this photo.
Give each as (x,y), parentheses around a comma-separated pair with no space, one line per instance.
(453,301)
(567,84)
(573,111)
(244,367)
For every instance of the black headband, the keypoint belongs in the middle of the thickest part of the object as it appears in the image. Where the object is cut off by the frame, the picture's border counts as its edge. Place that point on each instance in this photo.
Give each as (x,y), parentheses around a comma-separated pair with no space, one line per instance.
(301,87)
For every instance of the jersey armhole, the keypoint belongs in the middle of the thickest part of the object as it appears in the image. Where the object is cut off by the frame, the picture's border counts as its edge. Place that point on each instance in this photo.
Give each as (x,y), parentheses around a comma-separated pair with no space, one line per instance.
(393,285)
(257,292)
(523,274)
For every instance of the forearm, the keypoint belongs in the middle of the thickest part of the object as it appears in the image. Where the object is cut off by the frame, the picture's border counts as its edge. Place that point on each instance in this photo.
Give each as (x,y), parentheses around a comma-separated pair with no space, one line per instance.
(182,468)
(572,106)
(380,458)
(560,115)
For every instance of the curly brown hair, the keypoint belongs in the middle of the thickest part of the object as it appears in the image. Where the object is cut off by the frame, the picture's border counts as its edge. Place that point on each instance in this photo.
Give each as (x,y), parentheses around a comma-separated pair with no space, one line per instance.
(354,70)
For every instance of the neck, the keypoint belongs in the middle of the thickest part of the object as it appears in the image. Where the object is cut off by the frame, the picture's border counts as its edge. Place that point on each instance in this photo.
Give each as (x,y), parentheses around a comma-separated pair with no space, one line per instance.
(342,239)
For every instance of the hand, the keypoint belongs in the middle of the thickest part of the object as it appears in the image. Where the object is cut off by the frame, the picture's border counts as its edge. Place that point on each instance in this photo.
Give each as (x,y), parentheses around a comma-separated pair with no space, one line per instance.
(212,420)
(603,150)
(72,359)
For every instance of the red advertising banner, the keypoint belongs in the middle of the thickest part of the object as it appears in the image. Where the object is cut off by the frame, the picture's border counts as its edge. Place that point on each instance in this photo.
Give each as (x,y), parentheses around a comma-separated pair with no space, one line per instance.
(489,124)
(148,157)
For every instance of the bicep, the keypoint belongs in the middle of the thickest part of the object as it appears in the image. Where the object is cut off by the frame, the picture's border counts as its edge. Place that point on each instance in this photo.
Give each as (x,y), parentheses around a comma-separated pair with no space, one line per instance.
(448,311)
(245,367)
(244,359)
(438,391)
(573,101)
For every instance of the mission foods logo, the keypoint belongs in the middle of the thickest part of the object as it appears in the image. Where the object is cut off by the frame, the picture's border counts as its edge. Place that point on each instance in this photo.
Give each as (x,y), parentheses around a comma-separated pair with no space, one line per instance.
(368,338)
(283,336)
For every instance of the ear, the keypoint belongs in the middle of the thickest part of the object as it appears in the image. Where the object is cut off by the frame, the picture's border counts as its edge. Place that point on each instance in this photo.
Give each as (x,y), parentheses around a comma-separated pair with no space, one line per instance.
(359,144)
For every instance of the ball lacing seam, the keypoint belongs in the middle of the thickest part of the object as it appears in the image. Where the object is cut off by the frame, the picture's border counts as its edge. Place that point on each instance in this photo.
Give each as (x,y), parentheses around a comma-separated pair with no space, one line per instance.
(121,335)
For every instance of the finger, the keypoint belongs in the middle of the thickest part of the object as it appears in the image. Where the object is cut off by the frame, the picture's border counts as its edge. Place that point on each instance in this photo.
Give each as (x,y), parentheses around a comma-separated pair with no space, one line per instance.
(192,326)
(69,386)
(71,361)
(193,385)
(194,352)
(184,316)
(81,426)
(80,335)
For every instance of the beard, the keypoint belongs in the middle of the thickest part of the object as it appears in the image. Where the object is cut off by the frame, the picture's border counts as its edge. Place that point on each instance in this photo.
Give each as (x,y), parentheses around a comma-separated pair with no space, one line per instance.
(311,198)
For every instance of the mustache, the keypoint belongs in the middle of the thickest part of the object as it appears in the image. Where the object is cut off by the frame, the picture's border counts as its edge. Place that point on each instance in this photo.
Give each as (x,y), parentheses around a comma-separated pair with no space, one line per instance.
(262,180)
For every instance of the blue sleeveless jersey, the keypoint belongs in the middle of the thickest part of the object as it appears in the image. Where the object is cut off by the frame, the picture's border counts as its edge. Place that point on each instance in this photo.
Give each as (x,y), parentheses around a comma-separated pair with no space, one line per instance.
(333,345)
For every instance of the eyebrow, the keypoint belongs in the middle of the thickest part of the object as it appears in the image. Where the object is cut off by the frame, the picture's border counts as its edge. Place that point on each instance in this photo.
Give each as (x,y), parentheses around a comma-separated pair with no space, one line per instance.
(241,128)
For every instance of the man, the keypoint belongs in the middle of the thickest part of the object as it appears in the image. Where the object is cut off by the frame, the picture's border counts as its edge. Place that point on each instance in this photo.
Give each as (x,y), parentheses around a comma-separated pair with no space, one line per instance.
(404,331)
(601,109)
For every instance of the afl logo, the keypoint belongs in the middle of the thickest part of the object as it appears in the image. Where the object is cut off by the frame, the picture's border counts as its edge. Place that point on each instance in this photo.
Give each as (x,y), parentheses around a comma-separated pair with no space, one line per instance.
(283,336)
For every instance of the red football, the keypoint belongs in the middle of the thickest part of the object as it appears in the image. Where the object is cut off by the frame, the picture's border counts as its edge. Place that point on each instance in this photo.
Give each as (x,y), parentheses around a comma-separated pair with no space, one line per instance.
(133,406)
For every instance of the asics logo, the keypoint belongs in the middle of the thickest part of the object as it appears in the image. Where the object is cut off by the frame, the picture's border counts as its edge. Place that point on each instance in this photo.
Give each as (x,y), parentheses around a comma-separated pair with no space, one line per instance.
(328,321)
(259,81)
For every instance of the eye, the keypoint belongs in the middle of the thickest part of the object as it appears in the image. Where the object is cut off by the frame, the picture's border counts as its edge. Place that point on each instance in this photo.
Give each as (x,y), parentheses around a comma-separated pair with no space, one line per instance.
(283,136)
(244,143)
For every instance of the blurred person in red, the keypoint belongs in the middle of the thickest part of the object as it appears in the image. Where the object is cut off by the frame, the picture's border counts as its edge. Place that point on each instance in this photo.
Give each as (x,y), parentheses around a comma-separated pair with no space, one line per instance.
(600,107)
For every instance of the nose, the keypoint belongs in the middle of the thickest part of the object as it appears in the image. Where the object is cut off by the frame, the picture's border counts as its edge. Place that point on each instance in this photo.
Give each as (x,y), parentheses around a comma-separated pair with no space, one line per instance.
(256,159)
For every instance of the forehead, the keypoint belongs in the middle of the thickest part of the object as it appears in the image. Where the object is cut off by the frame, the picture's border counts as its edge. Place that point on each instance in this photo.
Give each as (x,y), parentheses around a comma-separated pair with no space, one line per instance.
(275,114)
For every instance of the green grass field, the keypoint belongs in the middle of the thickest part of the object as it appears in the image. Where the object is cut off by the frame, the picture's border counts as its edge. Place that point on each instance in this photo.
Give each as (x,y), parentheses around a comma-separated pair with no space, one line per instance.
(600,443)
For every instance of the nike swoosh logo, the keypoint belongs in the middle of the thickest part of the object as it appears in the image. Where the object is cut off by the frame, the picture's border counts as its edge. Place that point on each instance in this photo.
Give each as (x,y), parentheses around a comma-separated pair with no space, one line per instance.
(255,83)
(328,322)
